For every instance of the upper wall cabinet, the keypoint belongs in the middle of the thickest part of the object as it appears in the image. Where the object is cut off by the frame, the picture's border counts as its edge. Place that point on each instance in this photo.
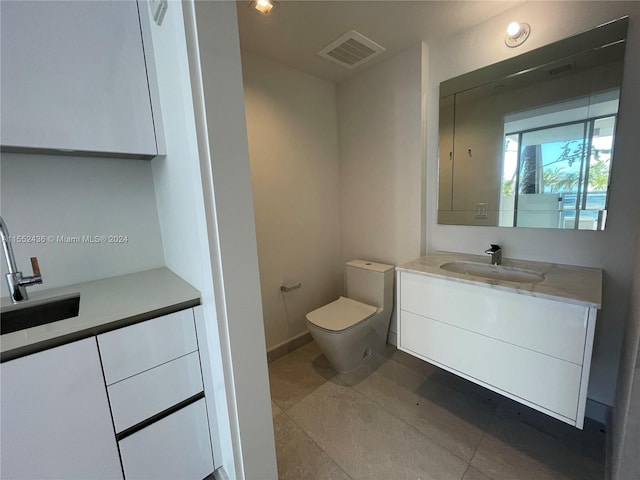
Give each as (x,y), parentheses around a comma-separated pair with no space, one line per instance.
(74,80)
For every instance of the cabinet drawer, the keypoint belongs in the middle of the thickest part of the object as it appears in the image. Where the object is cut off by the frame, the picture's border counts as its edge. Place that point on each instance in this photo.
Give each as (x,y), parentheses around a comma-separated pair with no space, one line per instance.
(177,446)
(134,349)
(138,398)
(545,381)
(546,326)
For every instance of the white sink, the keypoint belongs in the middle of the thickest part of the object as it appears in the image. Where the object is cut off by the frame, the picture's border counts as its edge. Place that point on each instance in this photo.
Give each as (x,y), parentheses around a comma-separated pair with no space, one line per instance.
(494,272)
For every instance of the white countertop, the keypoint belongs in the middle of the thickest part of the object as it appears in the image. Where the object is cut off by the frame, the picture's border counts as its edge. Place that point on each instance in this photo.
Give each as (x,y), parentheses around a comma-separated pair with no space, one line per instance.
(569,283)
(104,305)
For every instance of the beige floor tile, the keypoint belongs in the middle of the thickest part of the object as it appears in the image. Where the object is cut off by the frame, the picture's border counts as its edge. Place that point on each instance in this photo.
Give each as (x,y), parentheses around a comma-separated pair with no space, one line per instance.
(367,441)
(275,409)
(512,450)
(390,418)
(588,442)
(473,474)
(299,457)
(297,374)
(454,421)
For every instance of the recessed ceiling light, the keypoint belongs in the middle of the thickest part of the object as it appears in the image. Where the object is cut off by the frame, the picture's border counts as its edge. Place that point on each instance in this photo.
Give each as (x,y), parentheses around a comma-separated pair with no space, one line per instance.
(517,33)
(263,6)
(513,29)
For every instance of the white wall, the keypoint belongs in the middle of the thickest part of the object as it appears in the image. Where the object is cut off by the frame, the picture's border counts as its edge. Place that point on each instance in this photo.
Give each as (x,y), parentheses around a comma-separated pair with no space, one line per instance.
(180,204)
(293,148)
(381,161)
(625,431)
(611,249)
(216,75)
(59,195)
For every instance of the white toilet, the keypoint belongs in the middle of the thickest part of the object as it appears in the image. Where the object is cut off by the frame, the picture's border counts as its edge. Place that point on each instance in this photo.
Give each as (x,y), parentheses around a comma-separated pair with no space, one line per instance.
(350,329)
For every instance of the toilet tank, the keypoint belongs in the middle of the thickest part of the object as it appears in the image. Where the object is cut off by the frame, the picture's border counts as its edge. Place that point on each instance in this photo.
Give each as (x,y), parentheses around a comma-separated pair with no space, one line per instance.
(370,283)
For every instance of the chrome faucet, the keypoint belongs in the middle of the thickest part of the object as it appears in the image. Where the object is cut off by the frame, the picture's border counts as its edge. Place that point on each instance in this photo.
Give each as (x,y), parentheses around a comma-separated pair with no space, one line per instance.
(16,282)
(496,254)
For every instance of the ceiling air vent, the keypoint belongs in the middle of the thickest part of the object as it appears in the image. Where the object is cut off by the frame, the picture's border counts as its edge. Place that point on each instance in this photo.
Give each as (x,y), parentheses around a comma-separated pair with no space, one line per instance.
(351,49)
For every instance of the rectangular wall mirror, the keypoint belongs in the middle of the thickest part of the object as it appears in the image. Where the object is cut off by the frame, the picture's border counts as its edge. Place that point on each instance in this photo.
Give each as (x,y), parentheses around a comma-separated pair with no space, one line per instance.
(528,142)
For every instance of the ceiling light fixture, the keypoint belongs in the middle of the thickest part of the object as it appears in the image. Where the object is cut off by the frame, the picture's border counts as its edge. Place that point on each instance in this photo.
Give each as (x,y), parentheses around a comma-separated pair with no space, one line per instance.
(517,33)
(263,6)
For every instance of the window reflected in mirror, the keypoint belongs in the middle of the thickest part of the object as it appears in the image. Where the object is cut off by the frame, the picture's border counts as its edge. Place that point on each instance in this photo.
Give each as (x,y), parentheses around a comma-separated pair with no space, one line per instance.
(556,164)
(529,142)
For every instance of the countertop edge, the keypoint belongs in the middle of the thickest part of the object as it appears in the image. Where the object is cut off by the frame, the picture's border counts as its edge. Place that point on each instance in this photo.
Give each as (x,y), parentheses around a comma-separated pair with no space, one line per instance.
(532,290)
(70,337)
(109,304)
(504,288)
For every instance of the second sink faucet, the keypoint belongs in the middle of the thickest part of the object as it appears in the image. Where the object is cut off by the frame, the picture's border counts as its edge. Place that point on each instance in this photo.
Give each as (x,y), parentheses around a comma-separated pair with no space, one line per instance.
(496,254)
(15,280)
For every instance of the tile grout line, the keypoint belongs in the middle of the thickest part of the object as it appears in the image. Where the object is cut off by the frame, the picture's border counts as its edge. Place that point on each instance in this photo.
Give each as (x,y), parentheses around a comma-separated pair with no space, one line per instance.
(484,434)
(284,410)
(357,392)
(344,384)
(410,426)
(383,408)
(317,445)
(352,385)
(495,417)
(302,398)
(413,426)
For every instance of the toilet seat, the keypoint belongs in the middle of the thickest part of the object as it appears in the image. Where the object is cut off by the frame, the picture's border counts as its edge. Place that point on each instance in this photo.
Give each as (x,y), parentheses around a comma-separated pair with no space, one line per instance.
(341,314)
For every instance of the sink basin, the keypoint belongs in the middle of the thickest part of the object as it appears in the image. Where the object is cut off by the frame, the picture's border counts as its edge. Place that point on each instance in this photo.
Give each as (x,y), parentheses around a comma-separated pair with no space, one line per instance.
(38,312)
(494,272)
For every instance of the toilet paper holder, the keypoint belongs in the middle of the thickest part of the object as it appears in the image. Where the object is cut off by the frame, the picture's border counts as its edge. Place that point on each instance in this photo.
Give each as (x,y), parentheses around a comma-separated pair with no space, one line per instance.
(288,288)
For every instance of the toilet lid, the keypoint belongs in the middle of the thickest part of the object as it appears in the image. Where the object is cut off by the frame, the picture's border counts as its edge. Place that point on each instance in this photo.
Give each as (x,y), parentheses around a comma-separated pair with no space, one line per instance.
(341,314)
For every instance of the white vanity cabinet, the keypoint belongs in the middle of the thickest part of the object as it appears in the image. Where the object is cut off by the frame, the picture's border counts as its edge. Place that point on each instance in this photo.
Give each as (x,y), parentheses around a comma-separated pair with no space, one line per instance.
(128,403)
(74,79)
(534,350)
(55,416)
(154,383)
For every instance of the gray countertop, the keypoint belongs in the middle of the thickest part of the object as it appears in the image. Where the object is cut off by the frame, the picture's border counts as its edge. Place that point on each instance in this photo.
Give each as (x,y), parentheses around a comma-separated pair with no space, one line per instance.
(569,283)
(105,305)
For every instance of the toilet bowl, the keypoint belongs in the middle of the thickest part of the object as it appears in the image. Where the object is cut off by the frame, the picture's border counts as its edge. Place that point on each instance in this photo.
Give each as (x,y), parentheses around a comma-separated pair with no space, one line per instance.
(350,329)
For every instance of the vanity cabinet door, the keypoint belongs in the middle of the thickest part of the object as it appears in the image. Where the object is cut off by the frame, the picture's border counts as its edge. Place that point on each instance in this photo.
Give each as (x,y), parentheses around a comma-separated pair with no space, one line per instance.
(74,78)
(55,416)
